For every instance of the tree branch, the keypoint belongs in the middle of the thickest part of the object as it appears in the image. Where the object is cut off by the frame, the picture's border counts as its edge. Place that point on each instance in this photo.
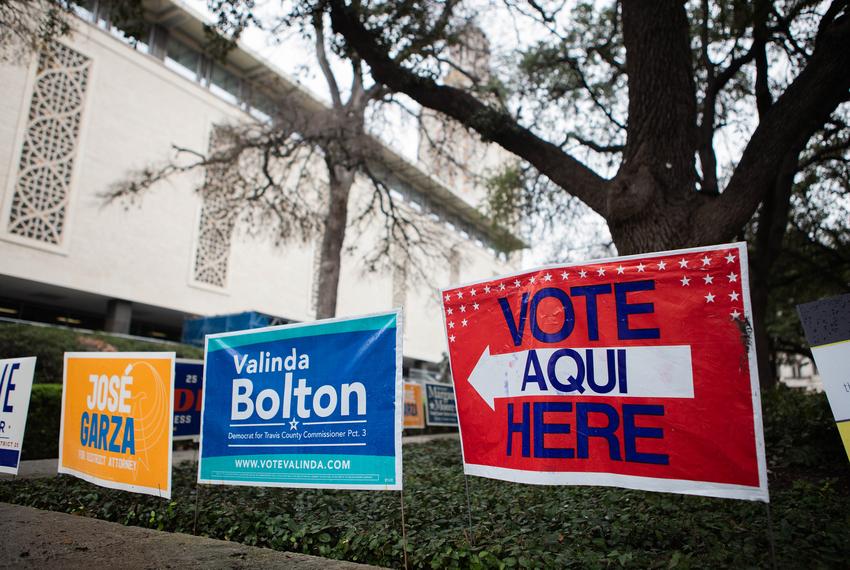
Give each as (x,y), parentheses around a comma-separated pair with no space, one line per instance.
(715,84)
(595,146)
(787,126)
(322,56)
(496,126)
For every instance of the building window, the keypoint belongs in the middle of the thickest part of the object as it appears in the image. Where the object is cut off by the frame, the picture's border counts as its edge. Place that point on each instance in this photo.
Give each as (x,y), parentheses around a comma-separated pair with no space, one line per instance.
(262,107)
(224,84)
(43,186)
(184,60)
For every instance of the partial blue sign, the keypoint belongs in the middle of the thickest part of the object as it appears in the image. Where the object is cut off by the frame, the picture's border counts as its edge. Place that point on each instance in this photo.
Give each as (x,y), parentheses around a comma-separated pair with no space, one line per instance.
(306,405)
(188,394)
(16,376)
(440,409)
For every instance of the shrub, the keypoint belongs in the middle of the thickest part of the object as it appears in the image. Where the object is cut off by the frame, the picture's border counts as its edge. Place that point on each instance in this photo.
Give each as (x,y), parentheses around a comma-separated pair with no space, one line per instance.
(41,437)
(49,345)
(800,432)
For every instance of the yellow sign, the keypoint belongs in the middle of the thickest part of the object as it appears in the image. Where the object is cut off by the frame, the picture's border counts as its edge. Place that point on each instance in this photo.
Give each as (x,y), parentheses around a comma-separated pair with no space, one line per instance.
(117,410)
(414,410)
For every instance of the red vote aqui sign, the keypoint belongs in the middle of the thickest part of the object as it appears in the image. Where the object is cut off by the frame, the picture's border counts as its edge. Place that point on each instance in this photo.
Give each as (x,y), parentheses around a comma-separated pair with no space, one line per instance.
(636,372)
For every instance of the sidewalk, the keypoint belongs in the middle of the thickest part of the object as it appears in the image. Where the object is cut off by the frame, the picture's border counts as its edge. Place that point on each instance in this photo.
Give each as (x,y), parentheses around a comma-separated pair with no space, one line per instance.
(43,539)
(39,468)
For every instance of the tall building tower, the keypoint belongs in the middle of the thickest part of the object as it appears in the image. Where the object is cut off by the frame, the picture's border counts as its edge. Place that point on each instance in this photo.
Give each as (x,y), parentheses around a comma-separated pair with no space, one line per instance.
(447,150)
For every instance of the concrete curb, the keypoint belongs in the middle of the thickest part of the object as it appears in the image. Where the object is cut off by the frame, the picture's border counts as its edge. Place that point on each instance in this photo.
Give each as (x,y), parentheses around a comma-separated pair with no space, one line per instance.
(33,538)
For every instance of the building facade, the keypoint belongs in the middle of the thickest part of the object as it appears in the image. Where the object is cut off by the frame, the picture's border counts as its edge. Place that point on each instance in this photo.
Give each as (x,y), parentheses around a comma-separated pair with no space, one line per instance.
(101,103)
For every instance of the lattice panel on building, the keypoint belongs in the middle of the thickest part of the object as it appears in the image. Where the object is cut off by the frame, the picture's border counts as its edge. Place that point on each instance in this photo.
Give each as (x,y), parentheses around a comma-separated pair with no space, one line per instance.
(43,187)
(212,255)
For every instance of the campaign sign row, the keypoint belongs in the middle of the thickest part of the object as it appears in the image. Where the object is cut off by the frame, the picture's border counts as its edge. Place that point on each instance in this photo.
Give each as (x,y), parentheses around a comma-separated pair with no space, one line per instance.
(307,405)
(636,372)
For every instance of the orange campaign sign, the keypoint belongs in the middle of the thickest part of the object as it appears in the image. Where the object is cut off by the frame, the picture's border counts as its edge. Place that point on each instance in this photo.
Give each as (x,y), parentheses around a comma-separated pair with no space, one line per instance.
(414,409)
(117,410)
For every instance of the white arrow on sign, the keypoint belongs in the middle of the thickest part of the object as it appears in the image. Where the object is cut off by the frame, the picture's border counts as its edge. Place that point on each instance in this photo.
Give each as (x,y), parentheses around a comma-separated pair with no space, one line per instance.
(651,371)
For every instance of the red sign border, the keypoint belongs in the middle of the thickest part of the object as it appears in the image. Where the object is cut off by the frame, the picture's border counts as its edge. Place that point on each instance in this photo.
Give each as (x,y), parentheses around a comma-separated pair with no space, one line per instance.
(681,486)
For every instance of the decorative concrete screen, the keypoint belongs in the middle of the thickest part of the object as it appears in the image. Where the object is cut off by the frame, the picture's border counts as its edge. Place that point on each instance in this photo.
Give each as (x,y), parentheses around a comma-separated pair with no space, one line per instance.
(43,187)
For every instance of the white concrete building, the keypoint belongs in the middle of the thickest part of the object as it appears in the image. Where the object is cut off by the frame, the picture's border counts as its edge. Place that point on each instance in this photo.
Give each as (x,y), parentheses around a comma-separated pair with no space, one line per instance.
(74,123)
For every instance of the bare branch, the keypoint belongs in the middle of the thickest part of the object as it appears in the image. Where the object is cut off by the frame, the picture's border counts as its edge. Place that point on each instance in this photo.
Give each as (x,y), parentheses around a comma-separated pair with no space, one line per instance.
(322,56)
(795,116)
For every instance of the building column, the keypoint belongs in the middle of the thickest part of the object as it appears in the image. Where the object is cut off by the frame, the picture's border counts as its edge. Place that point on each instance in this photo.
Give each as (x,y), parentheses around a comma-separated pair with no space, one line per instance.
(118,316)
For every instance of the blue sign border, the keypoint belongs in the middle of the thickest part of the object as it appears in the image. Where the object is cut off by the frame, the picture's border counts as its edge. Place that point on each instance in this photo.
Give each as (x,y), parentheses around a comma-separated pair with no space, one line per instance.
(366,323)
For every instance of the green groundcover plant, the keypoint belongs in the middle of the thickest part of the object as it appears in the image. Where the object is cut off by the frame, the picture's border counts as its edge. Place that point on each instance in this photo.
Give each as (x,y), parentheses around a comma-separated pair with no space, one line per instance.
(515,525)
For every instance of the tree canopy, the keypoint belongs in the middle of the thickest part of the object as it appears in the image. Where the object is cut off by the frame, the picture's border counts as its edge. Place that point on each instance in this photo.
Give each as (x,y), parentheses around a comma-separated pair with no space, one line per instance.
(678,62)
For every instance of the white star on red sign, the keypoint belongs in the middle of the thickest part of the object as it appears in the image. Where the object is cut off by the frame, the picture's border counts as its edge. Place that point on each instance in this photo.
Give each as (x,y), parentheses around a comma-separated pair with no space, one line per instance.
(448,297)
(708,279)
(733,296)
(732,277)
(451,325)
(463,322)
(735,314)
(475,306)
(501,286)
(600,271)
(685,281)
(730,258)
(683,263)
(486,288)
(582,273)
(450,310)
(640,267)
(517,283)
(532,279)
(706,261)
(547,277)
(473,292)
(709,298)
(463,308)
(662,265)
(452,338)
(565,275)
(460,294)
(620,269)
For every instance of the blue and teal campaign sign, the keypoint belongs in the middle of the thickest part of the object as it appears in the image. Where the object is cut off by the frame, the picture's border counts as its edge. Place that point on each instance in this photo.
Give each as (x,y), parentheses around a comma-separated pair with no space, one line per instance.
(440,407)
(188,394)
(306,405)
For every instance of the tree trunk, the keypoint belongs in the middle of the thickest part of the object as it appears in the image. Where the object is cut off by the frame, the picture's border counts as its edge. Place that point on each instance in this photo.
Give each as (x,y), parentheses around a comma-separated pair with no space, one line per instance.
(767,245)
(333,235)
